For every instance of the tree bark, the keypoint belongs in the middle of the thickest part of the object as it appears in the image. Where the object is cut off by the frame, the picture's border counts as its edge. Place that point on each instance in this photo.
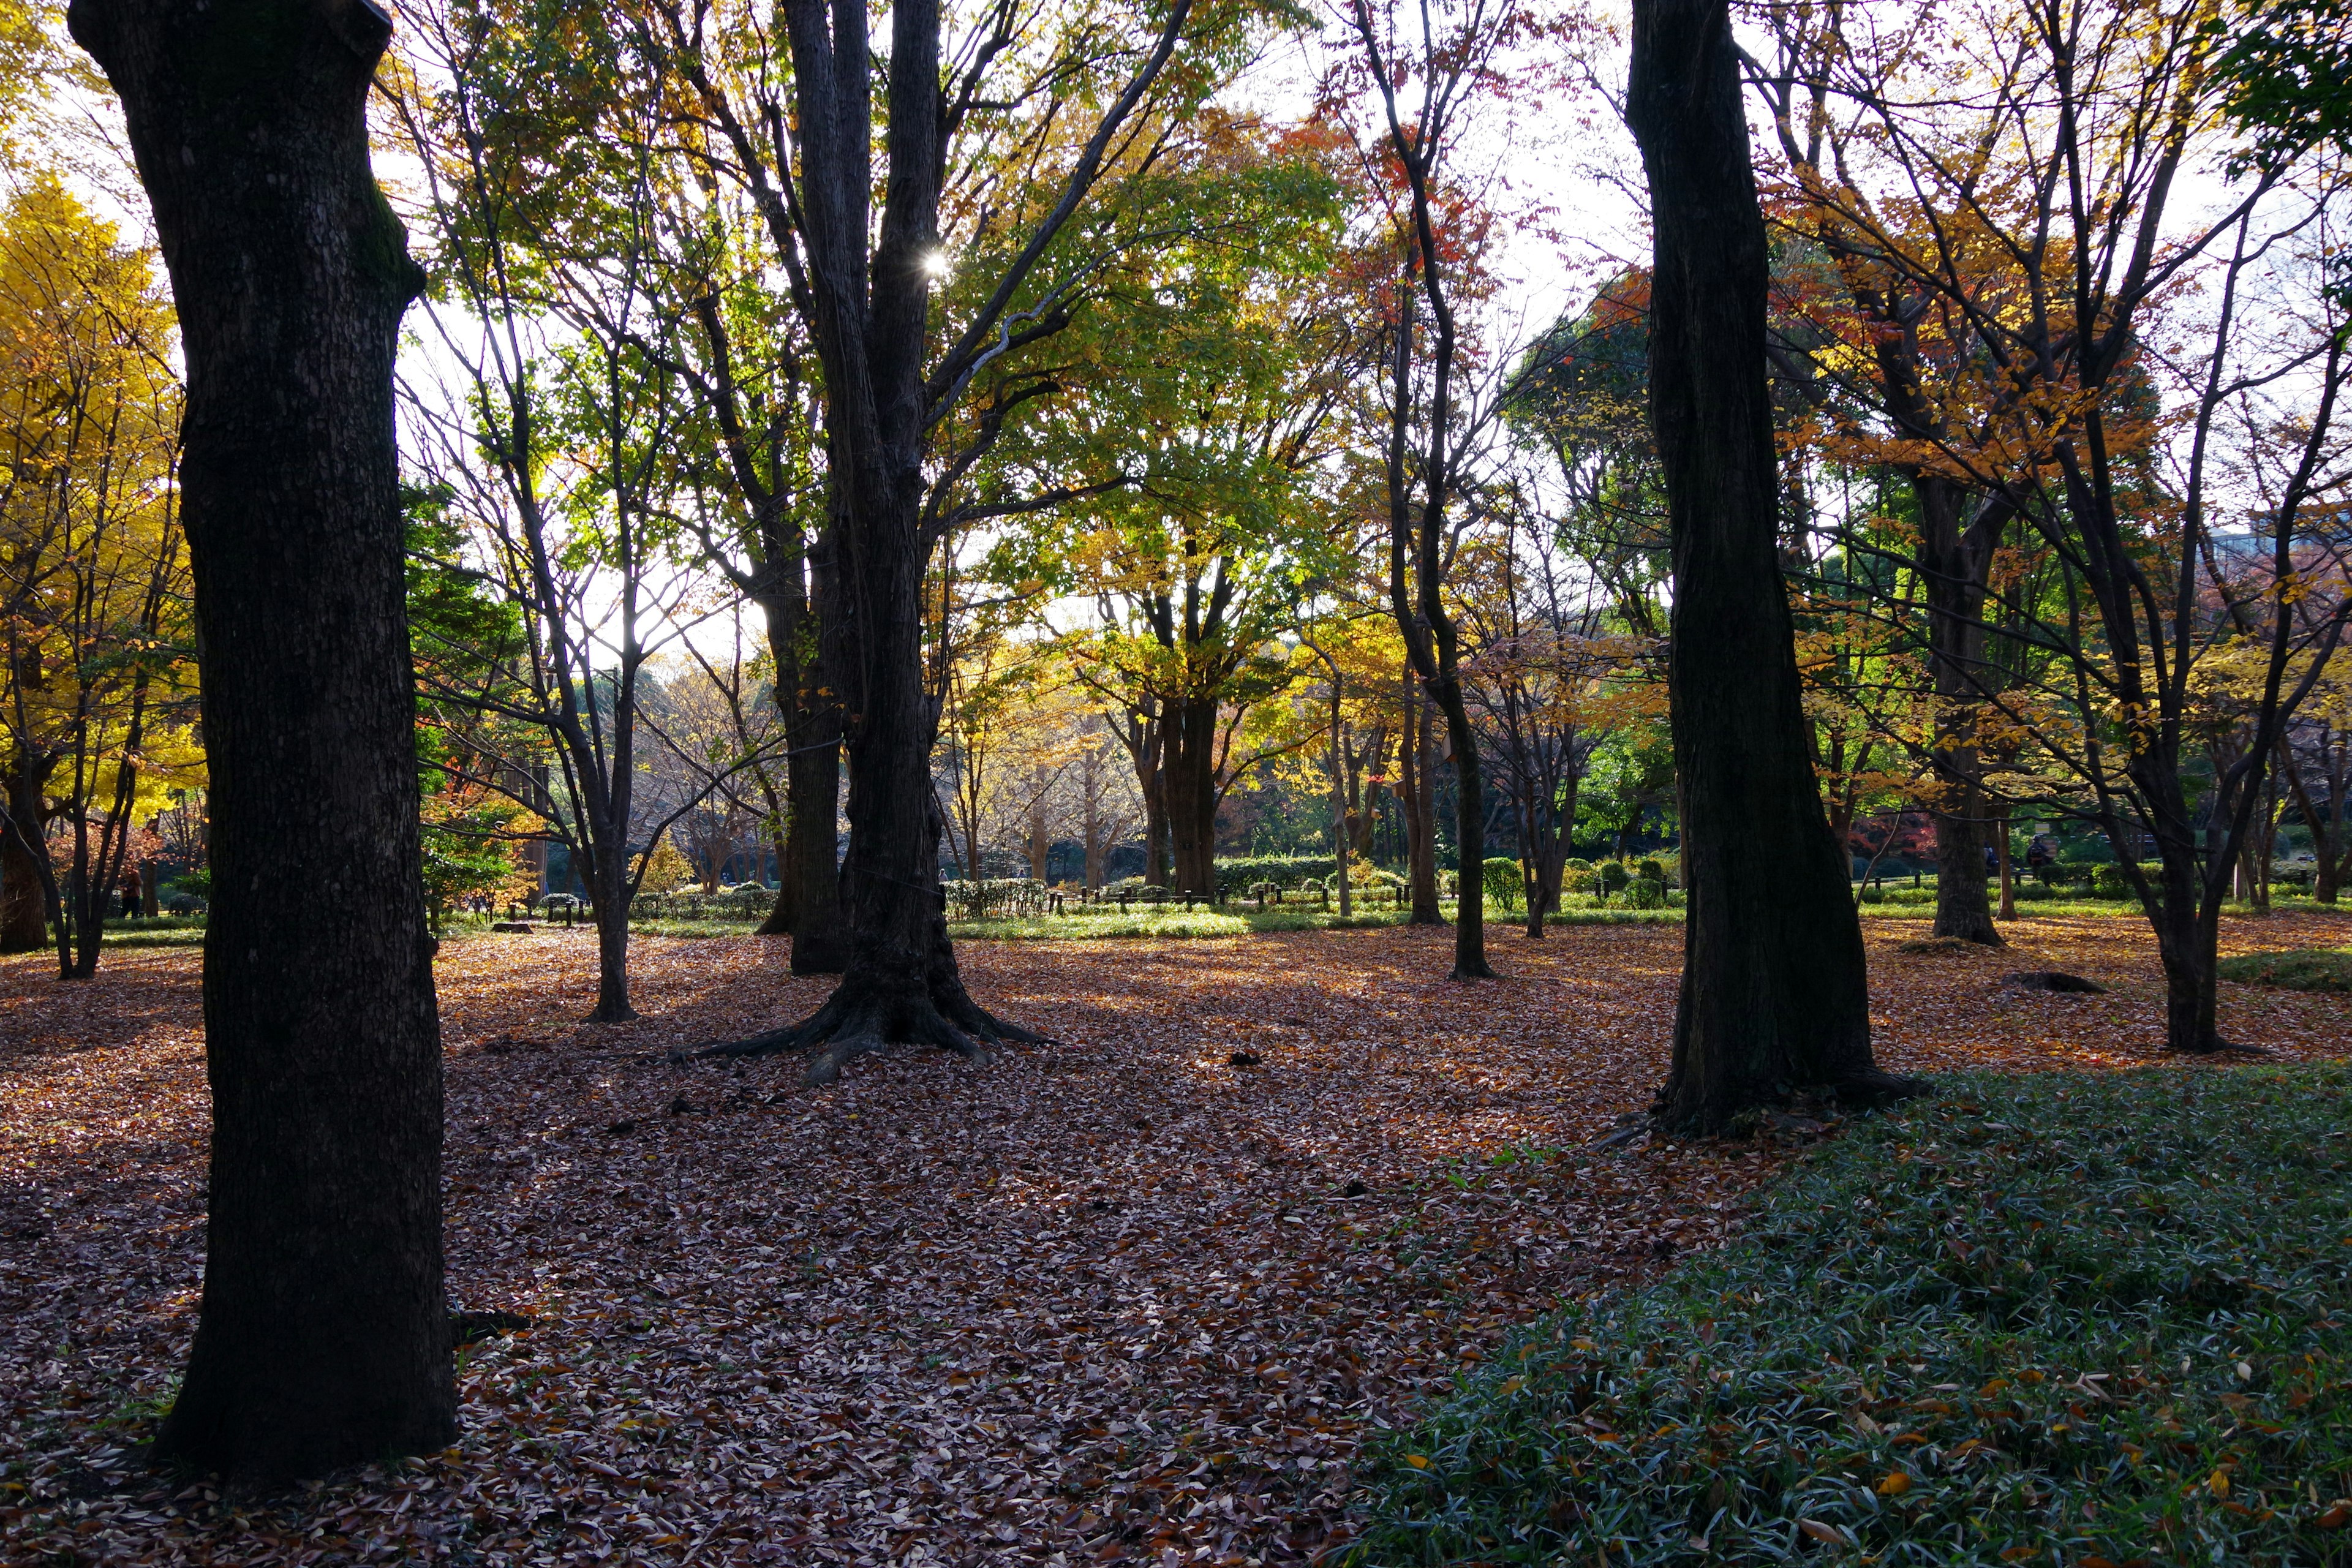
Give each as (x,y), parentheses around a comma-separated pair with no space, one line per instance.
(26,891)
(1774,990)
(323,1340)
(1189,781)
(1416,769)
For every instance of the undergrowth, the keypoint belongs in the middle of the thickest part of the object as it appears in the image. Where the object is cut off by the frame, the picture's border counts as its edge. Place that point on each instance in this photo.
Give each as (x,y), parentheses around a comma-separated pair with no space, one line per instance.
(2048,1319)
(2306,968)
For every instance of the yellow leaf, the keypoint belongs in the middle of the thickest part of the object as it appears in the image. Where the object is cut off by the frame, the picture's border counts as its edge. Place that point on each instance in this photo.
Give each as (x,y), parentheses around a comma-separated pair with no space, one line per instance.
(1417,1461)
(2219,1483)
(1894,1485)
(1512,1385)
(1829,1535)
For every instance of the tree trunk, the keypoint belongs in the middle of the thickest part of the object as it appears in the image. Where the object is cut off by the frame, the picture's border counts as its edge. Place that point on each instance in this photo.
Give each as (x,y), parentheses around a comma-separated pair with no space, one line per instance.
(323,1340)
(2008,871)
(1416,791)
(608,889)
(1188,775)
(1774,989)
(1963,909)
(27,897)
(1469,836)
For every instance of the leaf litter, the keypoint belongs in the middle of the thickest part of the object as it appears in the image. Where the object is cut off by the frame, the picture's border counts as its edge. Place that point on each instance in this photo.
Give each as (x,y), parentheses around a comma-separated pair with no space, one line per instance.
(1133,1296)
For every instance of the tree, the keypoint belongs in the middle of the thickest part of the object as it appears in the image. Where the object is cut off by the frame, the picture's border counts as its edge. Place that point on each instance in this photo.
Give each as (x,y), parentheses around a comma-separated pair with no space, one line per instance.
(322,1339)
(96,678)
(1774,992)
(2026,186)
(865,281)
(1434,418)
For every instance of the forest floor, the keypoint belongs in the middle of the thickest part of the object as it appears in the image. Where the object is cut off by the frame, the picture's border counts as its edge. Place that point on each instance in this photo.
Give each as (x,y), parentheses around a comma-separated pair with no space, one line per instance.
(1112,1299)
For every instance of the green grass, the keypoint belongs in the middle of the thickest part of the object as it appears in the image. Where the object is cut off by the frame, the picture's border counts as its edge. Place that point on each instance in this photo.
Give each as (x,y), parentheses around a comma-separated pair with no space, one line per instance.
(2306,968)
(2050,1319)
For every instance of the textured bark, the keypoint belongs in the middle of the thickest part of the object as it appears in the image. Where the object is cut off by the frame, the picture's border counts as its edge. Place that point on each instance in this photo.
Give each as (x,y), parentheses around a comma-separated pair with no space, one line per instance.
(1188,783)
(1955,561)
(27,891)
(808,871)
(1415,793)
(322,1339)
(1774,997)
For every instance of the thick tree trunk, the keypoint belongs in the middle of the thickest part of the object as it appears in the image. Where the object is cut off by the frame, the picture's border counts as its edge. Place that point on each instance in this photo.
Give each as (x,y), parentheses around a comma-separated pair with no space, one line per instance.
(1963,908)
(902,984)
(609,889)
(1774,990)
(1188,775)
(323,1340)
(27,897)
(1954,561)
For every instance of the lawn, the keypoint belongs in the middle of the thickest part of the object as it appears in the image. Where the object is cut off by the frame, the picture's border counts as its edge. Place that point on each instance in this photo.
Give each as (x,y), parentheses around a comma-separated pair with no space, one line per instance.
(1116,1298)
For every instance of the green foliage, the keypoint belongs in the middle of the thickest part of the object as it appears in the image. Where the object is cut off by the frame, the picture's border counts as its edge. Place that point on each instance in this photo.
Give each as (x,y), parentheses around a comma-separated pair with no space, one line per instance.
(2113,882)
(1504,882)
(1653,869)
(2288,72)
(2044,1318)
(2306,969)
(1613,876)
(1646,893)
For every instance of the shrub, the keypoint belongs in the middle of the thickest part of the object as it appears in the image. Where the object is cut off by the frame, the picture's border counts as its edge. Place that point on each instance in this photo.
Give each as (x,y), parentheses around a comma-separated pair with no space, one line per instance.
(1613,876)
(1873,895)
(2113,882)
(1646,893)
(1653,869)
(1504,883)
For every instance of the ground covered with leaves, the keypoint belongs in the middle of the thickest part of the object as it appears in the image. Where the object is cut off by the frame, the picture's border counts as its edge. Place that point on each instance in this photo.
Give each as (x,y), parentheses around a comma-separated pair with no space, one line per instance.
(1138,1296)
(2057,1317)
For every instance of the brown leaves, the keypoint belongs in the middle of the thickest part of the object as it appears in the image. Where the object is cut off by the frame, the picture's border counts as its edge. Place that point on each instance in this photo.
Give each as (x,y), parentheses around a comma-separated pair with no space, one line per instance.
(1111,1300)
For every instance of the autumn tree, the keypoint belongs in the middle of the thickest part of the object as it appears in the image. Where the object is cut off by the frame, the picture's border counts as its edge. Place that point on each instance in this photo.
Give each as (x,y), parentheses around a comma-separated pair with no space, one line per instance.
(96,674)
(1430,73)
(322,1339)
(2127,366)
(893,370)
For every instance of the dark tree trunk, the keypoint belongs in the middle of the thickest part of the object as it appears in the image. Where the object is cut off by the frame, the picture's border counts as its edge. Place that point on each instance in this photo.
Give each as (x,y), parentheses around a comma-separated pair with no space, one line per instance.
(1416,771)
(1954,562)
(27,885)
(1189,781)
(808,874)
(1469,834)
(323,1340)
(1774,991)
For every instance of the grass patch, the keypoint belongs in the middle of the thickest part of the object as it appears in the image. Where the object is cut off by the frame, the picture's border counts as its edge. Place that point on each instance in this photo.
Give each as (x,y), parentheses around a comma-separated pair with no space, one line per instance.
(2050,1319)
(2307,969)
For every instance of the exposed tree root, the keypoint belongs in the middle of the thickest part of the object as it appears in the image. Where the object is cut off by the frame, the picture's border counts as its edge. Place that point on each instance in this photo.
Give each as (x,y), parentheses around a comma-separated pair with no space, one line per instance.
(1857,1091)
(858,1018)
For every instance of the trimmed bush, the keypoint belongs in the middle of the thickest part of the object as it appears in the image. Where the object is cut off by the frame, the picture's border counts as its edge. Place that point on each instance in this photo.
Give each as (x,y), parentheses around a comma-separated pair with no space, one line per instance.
(1504,883)
(1646,893)
(1613,876)
(1284,872)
